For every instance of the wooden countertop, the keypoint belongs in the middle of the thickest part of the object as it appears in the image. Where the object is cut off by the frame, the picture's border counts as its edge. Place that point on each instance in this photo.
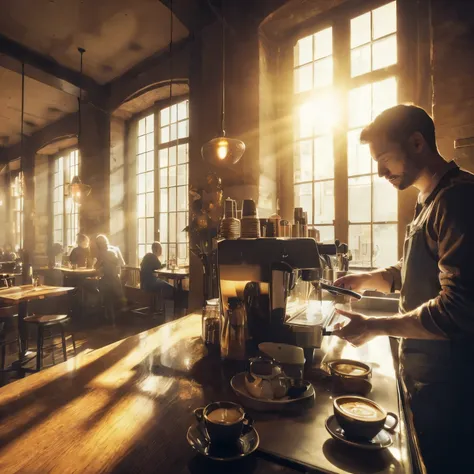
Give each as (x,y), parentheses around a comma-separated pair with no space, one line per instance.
(122,408)
(17,294)
(126,408)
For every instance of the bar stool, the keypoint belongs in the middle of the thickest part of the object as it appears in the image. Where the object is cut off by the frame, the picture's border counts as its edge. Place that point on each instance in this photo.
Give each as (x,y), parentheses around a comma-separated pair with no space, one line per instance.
(50,321)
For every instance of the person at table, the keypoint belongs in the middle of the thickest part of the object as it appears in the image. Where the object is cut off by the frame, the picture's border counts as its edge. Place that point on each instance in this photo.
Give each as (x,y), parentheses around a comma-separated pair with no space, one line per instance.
(109,264)
(80,255)
(149,280)
(436,282)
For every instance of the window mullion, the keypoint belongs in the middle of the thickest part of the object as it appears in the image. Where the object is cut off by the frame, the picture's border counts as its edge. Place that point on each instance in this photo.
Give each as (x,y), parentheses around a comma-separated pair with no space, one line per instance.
(341,42)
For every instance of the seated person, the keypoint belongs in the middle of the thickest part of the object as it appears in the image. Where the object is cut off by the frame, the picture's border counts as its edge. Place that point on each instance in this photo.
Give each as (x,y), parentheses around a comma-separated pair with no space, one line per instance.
(149,280)
(81,254)
(9,255)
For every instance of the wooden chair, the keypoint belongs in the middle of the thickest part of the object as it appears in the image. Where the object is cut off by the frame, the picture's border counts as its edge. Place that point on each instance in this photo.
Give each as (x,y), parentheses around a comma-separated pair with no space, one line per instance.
(50,322)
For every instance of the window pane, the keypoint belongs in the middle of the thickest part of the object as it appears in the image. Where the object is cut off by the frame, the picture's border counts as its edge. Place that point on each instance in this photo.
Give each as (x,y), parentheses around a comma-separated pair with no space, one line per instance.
(385,201)
(150,144)
(360,30)
(323,72)
(163,227)
(150,181)
(164,178)
(360,199)
(150,123)
(150,204)
(183,129)
(384,20)
(150,230)
(304,199)
(172,228)
(142,144)
(323,202)
(182,223)
(385,245)
(150,161)
(361,60)
(303,78)
(183,153)
(141,182)
(305,124)
(172,176)
(384,52)
(141,251)
(141,230)
(165,252)
(323,43)
(360,106)
(384,95)
(323,157)
(141,127)
(359,160)
(182,254)
(182,198)
(182,175)
(172,156)
(173,131)
(172,199)
(183,110)
(165,116)
(163,200)
(141,165)
(163,157)
(360,245)
(326,234)
(165,135)
(304,51)
(174,113)
(141,210)
(303,161)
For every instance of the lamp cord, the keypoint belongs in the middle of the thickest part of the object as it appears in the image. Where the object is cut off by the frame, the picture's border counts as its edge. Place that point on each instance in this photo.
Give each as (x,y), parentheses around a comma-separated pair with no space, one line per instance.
(223,75)
(171,55)
(79,121)
(22,114)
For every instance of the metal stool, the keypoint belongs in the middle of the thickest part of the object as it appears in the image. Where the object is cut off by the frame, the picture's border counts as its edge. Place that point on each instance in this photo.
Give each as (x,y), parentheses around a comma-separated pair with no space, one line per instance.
(49,322)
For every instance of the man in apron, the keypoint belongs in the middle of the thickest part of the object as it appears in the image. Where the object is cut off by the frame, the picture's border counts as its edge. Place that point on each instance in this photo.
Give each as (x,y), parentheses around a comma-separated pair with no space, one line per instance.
(436,279)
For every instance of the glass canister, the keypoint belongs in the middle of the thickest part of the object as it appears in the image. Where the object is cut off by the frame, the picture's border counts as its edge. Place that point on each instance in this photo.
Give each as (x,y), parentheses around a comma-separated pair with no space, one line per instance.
(211,322)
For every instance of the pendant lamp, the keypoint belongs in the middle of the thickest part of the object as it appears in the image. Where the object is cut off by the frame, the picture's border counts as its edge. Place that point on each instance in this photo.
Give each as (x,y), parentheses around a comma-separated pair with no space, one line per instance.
(77,189)
(223,149)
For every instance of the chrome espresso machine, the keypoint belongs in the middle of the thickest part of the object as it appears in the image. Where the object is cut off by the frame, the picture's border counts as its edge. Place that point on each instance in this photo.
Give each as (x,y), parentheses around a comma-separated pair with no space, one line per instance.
(275,290)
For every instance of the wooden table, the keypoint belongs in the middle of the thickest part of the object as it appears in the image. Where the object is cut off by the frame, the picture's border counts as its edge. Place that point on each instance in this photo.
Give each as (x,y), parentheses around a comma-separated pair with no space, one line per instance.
(21,295)
(81,271)
(125,408)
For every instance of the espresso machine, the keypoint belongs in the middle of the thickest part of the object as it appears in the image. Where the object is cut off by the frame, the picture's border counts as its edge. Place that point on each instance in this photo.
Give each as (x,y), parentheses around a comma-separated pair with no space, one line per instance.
(274,290)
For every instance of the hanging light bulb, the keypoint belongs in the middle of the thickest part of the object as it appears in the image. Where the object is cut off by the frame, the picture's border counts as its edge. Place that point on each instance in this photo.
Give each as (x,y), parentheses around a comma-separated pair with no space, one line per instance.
(223,149)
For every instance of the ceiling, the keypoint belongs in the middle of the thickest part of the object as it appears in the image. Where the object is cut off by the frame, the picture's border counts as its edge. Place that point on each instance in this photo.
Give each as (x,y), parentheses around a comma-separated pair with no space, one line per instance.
(116,34)
(43,105)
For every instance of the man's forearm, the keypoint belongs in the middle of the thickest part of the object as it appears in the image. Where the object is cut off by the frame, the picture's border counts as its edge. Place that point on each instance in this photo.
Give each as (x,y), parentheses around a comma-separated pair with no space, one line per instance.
(407,325)
(380,280)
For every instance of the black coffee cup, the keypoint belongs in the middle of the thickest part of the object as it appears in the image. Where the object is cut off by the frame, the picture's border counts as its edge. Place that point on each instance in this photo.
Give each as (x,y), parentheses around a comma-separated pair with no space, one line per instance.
(363,427)
(224,422)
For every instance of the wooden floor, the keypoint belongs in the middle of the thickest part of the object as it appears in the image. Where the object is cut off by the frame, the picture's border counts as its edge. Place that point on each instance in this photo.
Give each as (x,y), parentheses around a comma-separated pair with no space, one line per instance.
(91,332)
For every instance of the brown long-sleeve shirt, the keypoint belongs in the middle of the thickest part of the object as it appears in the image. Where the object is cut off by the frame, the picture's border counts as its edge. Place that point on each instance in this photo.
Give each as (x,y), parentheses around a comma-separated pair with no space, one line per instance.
(450,238)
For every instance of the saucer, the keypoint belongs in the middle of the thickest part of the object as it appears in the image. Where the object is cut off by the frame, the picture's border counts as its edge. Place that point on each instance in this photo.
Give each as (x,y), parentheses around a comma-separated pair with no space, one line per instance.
(381,441)
(244,446)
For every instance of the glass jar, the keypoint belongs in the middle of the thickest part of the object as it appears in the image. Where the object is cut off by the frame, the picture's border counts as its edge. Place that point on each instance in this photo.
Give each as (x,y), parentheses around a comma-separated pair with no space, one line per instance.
(211,322)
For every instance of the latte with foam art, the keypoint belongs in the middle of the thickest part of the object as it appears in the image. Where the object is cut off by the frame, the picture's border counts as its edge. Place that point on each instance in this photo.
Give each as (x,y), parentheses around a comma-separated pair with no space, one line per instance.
(361,410)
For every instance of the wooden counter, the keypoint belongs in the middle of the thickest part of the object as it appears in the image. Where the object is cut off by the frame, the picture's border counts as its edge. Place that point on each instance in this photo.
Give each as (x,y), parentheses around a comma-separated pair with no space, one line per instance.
(126,408)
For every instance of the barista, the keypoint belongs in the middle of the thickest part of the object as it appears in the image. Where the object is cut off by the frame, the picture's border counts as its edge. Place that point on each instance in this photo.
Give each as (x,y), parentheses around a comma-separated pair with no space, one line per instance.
(436,320)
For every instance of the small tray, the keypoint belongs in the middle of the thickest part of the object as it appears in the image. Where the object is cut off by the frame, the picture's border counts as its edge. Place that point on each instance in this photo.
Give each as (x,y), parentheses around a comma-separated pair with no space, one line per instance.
(238,386)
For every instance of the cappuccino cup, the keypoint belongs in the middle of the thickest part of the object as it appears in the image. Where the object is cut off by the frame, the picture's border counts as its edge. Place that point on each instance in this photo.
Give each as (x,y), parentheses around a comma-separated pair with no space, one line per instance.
(361,417)
(224,422)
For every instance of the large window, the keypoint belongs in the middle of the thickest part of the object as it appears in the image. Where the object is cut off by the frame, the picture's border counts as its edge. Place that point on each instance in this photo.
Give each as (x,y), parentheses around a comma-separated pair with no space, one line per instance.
(333,110)
(17,211)
(65,210)
(163,167)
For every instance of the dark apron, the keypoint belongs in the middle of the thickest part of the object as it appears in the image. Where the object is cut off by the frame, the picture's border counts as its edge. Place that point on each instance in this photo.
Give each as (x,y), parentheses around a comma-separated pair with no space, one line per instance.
(437,374)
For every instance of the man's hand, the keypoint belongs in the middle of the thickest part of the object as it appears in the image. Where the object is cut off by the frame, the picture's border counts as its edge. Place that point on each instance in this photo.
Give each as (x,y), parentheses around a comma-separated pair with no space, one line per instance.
(358,330)
(356,281)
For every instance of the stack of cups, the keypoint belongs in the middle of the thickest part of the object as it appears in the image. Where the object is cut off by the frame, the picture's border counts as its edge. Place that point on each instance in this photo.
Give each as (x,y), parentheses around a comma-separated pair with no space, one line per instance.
(250,224)
(230,225)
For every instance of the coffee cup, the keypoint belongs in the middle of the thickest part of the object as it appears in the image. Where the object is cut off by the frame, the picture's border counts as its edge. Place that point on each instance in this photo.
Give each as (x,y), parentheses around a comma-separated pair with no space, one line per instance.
(224,422)
(361,417)
(350,376)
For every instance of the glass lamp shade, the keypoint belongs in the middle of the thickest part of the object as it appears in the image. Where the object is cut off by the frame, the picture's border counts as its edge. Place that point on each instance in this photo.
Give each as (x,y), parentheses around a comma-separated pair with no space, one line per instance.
(223,150)
(78,190)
